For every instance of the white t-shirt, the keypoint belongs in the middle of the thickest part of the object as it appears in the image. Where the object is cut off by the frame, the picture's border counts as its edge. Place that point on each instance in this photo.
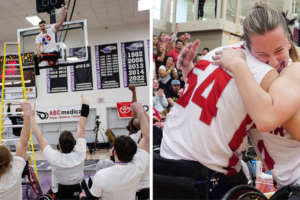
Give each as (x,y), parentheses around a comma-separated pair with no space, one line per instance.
(164,80)
(120,181)
(47,40)
(145,179)
(209,122)
(67,168)
(11,182)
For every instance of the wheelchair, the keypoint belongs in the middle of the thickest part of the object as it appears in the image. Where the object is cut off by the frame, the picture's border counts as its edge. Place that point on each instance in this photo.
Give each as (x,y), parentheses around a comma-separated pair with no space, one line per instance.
(30,181)
(64,192)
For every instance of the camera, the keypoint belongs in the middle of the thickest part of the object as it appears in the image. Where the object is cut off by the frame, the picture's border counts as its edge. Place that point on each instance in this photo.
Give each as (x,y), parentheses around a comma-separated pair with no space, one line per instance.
(97,117)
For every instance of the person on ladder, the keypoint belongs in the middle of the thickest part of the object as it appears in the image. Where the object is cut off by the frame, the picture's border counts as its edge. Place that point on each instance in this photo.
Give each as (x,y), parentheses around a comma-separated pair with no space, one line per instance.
(46,39)
(11,167)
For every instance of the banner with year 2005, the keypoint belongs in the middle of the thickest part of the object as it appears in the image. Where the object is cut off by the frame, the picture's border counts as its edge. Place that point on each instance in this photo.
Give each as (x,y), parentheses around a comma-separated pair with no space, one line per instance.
(133,63)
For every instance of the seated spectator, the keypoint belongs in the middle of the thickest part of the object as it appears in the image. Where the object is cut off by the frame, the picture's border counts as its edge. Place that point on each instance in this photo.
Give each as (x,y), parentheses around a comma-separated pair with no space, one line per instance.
(175,52)
(167,72)
(159,98)
(171,46)
(120,181)
(159,57)
(68,163)
(155,43)
(205,51)
(172,94)
(11,167)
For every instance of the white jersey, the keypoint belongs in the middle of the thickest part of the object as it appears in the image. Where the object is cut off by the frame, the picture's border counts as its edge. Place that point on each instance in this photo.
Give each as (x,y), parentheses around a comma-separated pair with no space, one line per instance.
(47,40)
(209,122)
(280,153)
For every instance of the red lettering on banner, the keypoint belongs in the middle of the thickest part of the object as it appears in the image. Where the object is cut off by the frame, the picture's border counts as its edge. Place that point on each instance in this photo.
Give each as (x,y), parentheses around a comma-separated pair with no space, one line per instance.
(268,159)
(58,112)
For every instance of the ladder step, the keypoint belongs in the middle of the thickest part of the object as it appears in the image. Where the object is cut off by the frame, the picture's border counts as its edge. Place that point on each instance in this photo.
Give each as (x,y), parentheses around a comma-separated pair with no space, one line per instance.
(13,76)
(13,88)
(11,43)
(13,69)
(12,114)
(15,115)
(12,126)
(7,65)
(13,100)
(10,139)
(12,54)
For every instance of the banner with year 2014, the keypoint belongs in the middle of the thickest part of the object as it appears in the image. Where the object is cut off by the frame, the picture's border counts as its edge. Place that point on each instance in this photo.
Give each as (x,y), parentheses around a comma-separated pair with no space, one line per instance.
(133,61)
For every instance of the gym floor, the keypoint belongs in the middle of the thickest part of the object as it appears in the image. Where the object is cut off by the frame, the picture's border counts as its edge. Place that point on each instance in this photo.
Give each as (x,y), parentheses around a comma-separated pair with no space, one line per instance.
(45,174)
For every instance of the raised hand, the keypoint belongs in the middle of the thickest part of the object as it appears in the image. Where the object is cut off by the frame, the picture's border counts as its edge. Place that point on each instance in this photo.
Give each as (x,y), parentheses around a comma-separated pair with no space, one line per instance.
(32,113)
(26,108)
(229,57)
(187,54)
(137,108)
(131,87)
(160,92)
(84,101)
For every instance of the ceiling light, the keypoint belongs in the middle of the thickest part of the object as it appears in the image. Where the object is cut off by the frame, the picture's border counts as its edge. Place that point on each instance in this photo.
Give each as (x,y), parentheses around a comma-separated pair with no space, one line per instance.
(34,20)
(144,5)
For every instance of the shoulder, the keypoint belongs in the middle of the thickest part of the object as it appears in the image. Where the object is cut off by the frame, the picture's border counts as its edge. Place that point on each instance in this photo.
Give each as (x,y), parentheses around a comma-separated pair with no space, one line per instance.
(162,67)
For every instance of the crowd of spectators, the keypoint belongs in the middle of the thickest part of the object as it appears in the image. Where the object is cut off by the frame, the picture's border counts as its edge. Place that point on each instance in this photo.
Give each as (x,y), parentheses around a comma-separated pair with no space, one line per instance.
(168,82)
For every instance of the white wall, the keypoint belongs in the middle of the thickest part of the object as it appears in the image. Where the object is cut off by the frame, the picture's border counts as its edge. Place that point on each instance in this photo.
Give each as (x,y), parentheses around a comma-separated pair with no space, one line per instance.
(98,36)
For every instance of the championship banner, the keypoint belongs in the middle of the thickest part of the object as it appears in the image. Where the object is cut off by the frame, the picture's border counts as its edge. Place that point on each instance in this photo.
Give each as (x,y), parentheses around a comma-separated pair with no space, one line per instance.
(29,77)
(124,108)
(81,74)
(107,65)
(133,63)
(81,77)
(57,114)
(57,80)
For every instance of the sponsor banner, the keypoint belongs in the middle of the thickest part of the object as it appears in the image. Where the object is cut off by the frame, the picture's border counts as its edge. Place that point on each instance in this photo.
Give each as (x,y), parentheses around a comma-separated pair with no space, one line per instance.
(81,77)
(124,110)
(107,65)
(133,63)
(57,114)
(57,80)
(29,77)
(30,93)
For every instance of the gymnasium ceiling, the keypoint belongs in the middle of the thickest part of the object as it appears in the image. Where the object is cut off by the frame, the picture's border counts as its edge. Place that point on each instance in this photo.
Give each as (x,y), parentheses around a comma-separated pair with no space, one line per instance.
(99,13)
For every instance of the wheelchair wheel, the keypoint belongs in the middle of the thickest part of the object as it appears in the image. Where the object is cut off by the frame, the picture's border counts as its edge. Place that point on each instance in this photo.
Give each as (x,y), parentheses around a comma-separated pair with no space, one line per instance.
(46,197)
(34,182)
(242,191)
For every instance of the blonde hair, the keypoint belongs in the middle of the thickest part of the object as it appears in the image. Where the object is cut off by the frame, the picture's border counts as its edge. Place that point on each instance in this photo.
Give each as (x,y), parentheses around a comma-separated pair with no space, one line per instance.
(170,46)
(5,159)
(263,18)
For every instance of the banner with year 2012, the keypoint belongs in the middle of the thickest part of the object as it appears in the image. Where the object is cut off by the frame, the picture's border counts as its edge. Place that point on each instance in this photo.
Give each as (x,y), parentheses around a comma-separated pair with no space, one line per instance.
(133,63)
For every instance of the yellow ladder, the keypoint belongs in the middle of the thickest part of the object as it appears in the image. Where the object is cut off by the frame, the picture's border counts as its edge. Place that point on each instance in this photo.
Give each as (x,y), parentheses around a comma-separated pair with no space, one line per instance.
(4,102)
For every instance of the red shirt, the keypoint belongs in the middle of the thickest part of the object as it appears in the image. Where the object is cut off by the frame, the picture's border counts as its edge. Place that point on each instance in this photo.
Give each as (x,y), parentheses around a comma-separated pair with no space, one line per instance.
(174,53)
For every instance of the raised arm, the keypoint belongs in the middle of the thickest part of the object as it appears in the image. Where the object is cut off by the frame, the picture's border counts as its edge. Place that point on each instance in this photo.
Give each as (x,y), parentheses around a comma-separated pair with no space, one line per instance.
(267,109)
(85,110)
(38,48)
(186,56)
(62,19)
(132,89)
(36,130)
(25,132)
(145,126)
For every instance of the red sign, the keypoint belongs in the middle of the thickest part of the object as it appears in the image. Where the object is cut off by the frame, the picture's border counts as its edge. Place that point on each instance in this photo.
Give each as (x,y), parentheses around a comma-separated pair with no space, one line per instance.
(124,110)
